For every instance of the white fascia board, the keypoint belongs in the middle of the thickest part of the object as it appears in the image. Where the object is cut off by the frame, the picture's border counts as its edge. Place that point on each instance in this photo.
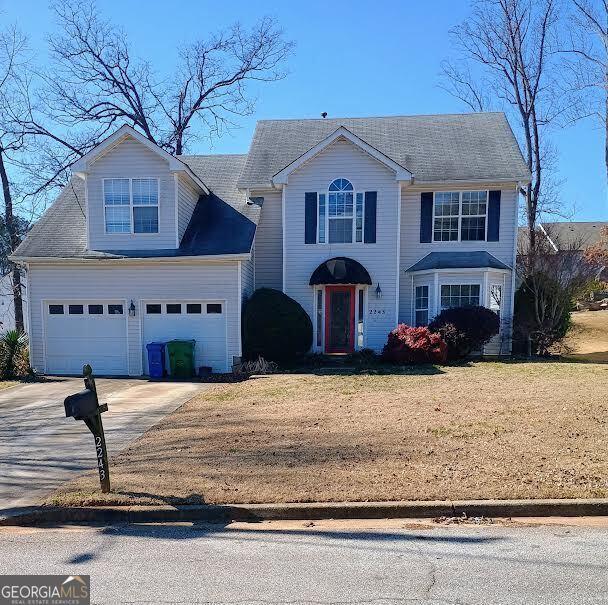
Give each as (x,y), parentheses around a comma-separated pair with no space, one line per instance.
(81,165)
(401,173)
(553,245)
(458,270)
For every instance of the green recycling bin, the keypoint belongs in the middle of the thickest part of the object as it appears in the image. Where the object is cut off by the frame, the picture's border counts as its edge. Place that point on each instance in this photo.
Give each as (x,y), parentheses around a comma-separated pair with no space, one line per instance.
(181,358)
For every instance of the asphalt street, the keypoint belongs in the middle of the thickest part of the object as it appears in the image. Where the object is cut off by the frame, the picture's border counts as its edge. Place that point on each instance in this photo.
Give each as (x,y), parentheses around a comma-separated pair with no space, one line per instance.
(321,563)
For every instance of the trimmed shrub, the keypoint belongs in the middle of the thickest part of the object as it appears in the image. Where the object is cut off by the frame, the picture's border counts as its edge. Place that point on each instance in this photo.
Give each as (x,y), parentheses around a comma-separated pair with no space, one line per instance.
(407,345)
(465,329)
(275,327)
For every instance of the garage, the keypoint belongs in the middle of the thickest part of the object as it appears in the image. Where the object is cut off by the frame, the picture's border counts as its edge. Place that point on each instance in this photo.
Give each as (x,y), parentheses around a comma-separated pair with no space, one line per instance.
(201,320)
(79,332)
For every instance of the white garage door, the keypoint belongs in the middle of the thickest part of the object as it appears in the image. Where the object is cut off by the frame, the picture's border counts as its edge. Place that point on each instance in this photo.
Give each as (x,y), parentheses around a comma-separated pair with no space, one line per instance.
(201,320)
(79,332)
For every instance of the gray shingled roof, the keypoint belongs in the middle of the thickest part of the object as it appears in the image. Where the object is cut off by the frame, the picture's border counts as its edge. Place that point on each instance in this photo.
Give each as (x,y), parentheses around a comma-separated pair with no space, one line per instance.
(222,223)
(458,260)
(579,234)
(432,147)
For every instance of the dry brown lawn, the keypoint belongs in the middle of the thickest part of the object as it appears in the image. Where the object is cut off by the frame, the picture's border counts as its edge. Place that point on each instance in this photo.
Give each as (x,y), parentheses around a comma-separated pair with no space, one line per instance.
(489,430)
(588,339)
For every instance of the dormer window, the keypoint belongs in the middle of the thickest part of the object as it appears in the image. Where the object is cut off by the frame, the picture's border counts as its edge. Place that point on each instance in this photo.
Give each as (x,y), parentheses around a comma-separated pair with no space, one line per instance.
(131,205)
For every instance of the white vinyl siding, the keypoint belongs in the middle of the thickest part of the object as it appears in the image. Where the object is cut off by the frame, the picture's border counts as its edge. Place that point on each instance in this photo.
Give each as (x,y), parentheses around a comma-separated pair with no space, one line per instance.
(129,159)
(187,198)
(269,243)
(342,159)
(138,282)
(412,250)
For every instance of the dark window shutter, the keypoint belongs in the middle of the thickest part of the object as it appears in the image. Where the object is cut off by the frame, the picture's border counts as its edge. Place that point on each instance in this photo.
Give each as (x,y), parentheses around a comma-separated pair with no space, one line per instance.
(310,218)
(494,216)
(369,223)
(426,217)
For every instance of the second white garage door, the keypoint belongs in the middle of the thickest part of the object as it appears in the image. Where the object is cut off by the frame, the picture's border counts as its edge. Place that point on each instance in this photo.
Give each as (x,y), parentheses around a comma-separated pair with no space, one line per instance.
(202,321)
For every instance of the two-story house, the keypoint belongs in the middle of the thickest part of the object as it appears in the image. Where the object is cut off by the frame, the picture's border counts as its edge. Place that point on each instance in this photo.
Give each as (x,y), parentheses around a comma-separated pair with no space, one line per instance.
(366,222)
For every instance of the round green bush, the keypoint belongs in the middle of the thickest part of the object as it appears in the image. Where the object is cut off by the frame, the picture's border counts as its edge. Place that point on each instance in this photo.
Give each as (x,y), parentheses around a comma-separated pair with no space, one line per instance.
(465,329)
(275,327)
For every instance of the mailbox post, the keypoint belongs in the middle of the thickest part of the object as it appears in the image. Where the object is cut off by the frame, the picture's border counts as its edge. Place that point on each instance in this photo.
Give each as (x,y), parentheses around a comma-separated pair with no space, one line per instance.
(85,406)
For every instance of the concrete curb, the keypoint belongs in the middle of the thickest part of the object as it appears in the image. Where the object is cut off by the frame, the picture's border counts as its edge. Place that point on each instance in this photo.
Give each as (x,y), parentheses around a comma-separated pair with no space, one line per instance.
(307,511)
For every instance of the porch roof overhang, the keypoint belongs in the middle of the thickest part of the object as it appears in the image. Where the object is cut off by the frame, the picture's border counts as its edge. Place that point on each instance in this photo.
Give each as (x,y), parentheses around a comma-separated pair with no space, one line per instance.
(340,270)
(436,261)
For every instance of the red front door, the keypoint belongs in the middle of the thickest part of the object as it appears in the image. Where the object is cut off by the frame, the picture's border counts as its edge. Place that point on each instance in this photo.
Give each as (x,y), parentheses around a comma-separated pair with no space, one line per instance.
(339,319)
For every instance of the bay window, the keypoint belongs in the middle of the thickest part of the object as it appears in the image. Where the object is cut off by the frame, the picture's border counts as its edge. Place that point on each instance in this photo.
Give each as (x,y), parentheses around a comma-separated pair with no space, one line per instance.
(460,295)
(422,305)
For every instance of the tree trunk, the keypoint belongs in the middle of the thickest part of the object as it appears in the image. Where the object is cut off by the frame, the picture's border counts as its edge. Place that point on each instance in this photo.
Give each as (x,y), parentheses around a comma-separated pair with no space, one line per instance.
(14,241)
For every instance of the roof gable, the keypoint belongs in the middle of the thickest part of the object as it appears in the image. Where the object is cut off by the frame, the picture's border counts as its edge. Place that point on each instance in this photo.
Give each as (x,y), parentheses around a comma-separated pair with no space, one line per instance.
(83,164)
(341,133)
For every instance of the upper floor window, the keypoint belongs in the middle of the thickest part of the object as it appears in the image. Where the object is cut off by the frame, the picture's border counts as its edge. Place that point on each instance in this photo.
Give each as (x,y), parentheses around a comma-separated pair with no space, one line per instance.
(131,205)
(340,214)
(460,216)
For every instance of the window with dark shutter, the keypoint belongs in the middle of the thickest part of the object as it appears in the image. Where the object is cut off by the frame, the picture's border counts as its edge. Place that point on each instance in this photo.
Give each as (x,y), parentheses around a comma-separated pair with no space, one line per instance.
(310,217)
(369,231)
(494,216)
(426,217)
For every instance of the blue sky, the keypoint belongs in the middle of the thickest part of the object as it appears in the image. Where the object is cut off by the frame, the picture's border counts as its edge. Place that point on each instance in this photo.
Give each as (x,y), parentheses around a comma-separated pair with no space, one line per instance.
(352,59)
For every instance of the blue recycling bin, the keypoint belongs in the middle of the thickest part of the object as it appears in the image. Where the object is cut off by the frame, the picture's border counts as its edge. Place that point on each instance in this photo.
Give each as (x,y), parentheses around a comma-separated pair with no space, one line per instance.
(156,359)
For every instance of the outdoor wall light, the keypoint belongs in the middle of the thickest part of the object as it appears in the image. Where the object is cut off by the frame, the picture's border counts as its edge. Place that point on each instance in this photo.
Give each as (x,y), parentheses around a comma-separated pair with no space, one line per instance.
(132,309)
(378,291)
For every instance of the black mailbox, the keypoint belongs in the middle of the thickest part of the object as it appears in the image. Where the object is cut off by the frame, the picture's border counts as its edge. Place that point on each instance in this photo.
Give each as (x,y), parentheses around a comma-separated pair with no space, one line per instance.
(85,406)
(81,405)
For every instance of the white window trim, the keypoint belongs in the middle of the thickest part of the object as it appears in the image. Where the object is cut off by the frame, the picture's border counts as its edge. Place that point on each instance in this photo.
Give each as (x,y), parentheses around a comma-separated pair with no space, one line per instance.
(319,328)
(464,282)
(459,240)
(428,304)
(353,218)
(365,290)
(131,204)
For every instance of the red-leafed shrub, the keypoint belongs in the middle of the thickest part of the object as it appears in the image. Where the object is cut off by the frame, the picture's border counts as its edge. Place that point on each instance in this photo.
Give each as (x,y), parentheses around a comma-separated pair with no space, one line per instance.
(414,345)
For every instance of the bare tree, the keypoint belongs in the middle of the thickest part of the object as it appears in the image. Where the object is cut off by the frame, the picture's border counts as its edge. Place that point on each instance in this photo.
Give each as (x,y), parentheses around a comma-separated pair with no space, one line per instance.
(12,58)
(506,57)
(586,65)
(552,275)
(101,82)
(35,151)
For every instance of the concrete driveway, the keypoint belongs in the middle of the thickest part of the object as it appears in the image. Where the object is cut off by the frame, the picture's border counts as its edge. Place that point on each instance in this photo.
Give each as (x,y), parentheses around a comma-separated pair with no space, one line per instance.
(40,448)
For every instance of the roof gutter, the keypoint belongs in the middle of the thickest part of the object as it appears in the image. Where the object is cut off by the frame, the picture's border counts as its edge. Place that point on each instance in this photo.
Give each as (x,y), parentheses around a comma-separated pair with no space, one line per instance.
(461,181)
(128,260)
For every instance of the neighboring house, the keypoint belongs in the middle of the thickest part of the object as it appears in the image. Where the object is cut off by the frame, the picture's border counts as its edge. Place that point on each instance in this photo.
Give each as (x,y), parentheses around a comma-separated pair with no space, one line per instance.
(7,305)
(571,237)
(366,222)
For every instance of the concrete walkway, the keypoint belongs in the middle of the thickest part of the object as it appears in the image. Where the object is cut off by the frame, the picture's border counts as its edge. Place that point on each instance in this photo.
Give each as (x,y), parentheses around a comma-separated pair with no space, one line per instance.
(40,448)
